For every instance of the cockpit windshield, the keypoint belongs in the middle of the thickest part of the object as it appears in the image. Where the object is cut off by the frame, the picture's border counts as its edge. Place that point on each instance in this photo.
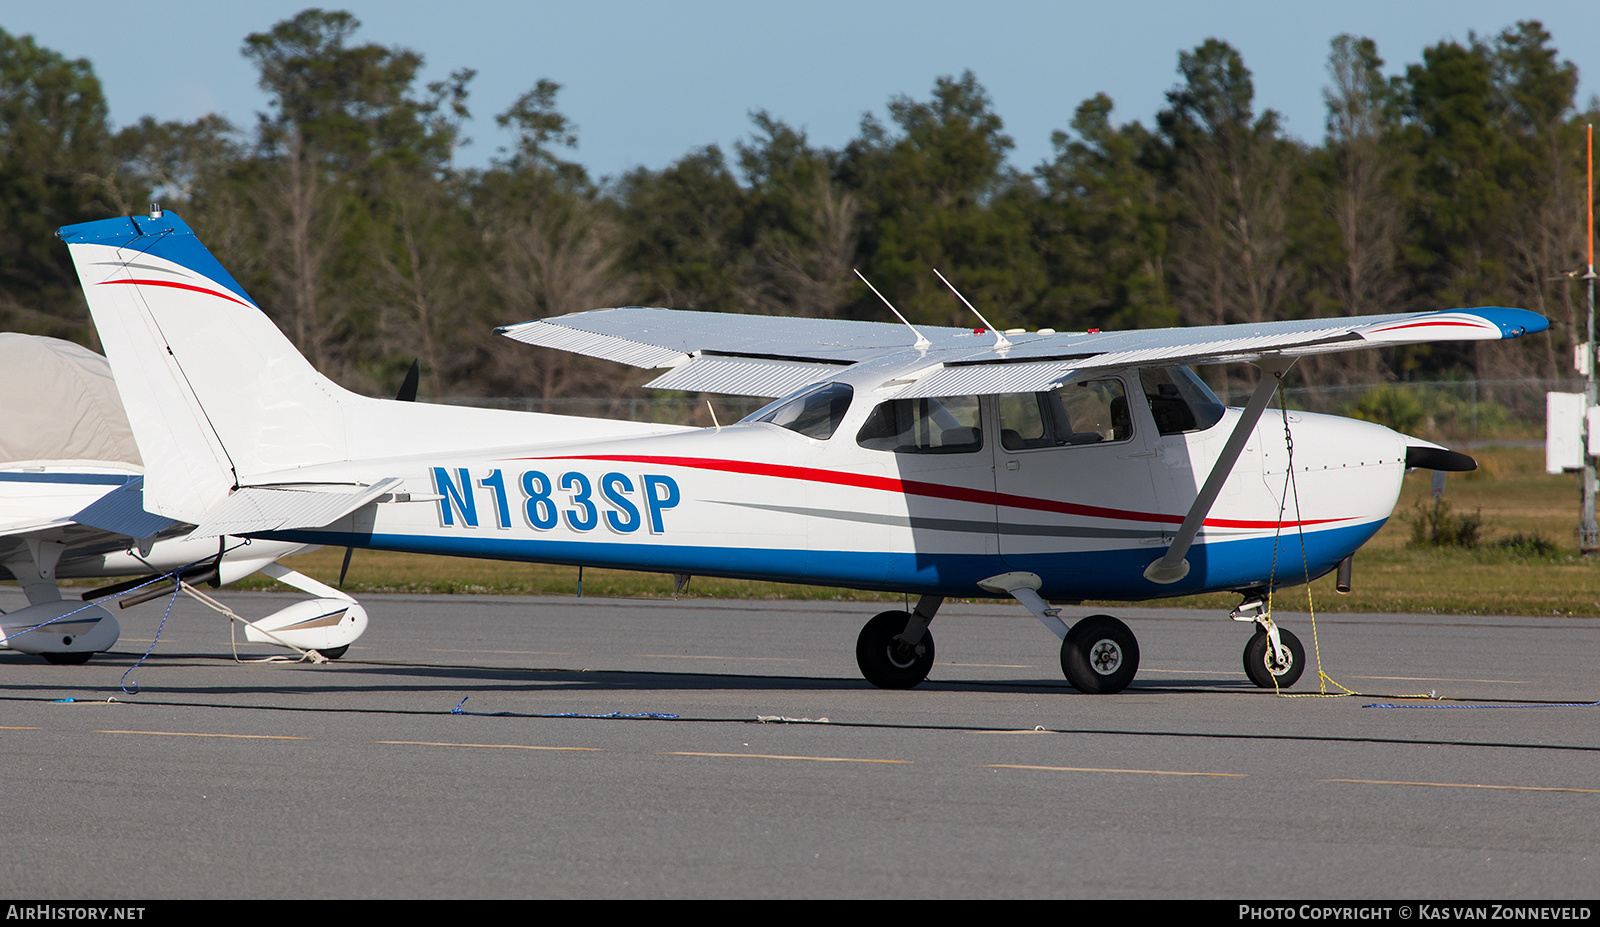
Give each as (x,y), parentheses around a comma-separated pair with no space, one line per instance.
(1180,402)
(815,413)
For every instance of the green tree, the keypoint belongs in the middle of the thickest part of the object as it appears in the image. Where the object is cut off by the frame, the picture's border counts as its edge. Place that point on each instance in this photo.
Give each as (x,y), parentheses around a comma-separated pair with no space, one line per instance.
(56,168)
(1232,172)
(937,194)
(1535,93)
(801,224)
(554,247)
(1350,230)
(684,233)
(1464,188)
(1101,227)
(346,134)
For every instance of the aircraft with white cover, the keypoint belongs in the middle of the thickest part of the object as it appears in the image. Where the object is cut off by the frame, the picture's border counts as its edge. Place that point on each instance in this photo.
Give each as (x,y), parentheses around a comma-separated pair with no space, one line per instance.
(71,507)
(1051,467)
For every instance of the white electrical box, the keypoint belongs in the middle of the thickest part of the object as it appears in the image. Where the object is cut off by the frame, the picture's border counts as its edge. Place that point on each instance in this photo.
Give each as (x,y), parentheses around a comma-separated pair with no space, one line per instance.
(1563,431)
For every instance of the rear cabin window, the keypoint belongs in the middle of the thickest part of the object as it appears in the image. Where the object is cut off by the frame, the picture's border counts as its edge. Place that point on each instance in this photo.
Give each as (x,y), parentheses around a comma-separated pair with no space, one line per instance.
(815,414)
(947,425)
(1180,402)
(1086,412)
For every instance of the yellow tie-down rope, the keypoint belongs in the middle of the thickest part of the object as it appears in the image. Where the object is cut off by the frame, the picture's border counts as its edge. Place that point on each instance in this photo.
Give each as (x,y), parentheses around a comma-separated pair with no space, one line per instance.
(1291,487)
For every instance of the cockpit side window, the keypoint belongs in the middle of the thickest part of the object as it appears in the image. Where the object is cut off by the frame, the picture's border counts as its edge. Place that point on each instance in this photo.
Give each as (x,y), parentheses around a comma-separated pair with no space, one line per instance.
(815,414)
(1180,402)
(1085,412)
(947,425)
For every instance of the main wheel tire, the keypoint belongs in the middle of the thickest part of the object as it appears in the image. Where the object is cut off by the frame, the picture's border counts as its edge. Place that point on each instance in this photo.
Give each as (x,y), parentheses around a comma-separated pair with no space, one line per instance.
(1261,669)
(70,658)
(887,662)
(1100,655)
(334,653)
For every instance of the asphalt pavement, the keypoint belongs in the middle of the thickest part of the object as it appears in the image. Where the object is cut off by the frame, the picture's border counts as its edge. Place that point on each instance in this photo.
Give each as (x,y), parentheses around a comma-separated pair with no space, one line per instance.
(488,746)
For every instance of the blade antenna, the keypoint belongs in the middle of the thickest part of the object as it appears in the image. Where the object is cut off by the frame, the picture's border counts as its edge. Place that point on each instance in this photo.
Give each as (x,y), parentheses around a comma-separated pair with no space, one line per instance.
(922,343)
(1000,341)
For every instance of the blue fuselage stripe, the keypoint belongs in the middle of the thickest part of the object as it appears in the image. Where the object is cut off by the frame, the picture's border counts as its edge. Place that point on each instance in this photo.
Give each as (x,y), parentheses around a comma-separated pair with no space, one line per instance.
(1110,574)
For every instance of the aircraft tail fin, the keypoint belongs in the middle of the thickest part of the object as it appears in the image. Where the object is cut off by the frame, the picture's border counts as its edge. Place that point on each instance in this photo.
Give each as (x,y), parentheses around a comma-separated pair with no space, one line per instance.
(219,400)
(213,390)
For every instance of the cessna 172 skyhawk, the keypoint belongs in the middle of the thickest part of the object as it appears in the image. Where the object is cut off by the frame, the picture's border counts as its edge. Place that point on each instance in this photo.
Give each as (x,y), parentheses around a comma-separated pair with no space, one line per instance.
(931,461)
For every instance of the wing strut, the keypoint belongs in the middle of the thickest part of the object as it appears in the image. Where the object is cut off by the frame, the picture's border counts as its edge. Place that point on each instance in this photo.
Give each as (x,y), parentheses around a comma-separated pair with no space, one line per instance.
(1172,566)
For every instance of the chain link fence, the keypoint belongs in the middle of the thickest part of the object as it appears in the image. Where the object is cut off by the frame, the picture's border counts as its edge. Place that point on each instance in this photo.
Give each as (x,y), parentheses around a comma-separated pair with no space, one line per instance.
(1473,411)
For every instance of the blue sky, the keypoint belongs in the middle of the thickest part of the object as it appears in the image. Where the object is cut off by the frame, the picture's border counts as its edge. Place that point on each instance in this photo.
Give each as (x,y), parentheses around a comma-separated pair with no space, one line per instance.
(646,82)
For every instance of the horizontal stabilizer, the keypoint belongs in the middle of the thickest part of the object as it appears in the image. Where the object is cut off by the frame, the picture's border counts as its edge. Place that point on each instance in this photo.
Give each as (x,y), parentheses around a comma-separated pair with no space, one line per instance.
(255,509)
(31,525)
(121,511)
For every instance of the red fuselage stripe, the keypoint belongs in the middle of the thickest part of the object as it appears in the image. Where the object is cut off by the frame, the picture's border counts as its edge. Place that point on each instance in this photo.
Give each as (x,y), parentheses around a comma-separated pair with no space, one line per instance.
(919,488)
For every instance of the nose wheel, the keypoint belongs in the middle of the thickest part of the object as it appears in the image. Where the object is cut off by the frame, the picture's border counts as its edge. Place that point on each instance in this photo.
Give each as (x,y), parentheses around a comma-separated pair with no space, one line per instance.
(1274,671)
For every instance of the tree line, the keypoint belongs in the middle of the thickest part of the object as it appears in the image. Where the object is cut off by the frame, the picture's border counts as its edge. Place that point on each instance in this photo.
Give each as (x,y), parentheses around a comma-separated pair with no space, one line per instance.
(1459,182)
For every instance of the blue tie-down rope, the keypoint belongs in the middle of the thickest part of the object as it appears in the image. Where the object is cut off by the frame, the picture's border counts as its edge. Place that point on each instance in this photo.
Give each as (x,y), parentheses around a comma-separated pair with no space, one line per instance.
(1531,705)
(123,683)
(174,575)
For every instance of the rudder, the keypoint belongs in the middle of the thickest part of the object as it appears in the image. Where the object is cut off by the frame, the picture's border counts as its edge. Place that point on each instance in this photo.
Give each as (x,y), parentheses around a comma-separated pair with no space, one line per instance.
(214,391)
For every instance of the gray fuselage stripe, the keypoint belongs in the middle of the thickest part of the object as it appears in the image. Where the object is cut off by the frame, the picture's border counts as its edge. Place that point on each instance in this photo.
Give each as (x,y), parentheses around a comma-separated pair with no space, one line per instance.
(925,523)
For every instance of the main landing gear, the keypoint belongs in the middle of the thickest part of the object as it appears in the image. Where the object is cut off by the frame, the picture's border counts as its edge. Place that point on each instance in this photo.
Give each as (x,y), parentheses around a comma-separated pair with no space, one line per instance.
(1099,655)
(895,650)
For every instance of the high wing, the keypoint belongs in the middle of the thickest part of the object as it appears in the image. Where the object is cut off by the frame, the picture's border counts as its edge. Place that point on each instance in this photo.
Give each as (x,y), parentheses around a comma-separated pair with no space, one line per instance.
(771,355)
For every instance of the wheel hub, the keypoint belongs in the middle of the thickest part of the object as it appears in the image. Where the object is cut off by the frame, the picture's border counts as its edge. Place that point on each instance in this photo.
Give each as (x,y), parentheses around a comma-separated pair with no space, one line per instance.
(901,654)
(1105,657)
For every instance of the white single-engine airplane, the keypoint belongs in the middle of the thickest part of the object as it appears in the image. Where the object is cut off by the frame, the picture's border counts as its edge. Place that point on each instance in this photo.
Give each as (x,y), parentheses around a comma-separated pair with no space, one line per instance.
(71,506)
(935,462)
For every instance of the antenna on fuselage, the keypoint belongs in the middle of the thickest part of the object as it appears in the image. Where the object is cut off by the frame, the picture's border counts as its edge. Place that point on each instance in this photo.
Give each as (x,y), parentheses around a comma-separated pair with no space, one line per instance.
(1000,340)
(922,343)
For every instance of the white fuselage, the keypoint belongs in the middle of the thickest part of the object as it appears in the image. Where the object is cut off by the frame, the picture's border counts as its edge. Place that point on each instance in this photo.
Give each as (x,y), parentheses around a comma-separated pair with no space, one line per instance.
(761,501)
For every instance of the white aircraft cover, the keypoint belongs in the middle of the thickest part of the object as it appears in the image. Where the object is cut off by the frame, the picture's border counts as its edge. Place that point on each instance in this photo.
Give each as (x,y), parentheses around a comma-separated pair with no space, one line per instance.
(58,403)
